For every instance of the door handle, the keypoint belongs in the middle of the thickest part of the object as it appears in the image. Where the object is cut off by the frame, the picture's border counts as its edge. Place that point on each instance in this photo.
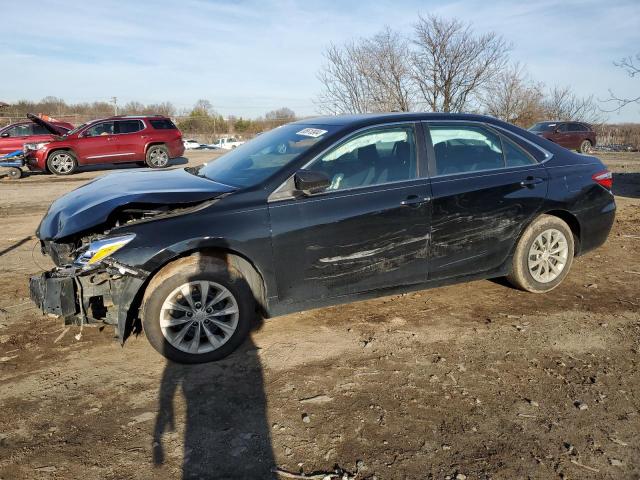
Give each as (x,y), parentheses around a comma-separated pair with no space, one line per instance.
(414,201)
(531,181)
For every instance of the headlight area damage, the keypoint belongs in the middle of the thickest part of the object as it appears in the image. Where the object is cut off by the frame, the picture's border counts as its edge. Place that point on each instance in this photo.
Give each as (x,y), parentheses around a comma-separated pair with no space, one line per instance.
(88,285)
(104,293)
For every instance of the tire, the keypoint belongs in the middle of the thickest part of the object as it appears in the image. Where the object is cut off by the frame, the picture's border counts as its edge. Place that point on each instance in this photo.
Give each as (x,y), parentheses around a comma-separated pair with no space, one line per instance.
(169,331)
(528,276)
(14,173)
(157,156)
(62,162)
(585,146)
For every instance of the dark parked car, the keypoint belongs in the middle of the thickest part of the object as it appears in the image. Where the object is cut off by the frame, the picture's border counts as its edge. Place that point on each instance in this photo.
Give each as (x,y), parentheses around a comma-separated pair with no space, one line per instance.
(149,140)
(13,137)
(573,135)
(314,213)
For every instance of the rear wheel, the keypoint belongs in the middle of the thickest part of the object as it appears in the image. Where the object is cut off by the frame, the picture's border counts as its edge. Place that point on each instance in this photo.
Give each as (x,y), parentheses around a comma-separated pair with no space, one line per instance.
(585,146)
(158,156)
(543,256)
(197,310)
(62,162)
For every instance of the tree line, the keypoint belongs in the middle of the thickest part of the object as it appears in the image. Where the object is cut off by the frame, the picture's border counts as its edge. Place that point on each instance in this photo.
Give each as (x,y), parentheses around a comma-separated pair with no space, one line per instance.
(201,120)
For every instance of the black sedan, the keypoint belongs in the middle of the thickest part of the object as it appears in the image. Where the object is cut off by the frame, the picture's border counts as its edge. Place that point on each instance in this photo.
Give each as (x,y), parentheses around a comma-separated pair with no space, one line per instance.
(314,213)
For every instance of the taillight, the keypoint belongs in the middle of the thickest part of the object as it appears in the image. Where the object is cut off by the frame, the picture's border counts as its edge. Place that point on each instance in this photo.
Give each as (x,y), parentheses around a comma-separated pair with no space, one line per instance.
(604,178)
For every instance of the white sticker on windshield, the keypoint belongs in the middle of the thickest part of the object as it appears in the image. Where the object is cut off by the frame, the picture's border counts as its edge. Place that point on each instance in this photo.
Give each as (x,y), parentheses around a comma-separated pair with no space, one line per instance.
(311,132)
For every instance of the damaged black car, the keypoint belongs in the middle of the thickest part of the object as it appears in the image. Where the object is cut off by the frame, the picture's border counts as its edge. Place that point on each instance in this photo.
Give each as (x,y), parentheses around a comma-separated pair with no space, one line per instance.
(315,213)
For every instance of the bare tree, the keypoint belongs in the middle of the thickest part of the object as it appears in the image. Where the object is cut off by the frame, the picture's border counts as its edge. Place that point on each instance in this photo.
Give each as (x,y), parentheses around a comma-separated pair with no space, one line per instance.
(387,72)
(451,64)
(561,104)
(514,98)
(345,90)
(368,75)
(632,66)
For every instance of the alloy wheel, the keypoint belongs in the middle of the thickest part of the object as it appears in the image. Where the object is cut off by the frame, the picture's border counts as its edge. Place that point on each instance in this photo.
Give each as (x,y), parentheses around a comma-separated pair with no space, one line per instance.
(62,163)
(548,255)
(158,157)
(199,317)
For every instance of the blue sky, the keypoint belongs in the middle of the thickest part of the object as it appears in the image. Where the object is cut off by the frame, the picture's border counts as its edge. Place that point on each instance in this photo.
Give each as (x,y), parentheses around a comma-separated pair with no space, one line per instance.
(248,57)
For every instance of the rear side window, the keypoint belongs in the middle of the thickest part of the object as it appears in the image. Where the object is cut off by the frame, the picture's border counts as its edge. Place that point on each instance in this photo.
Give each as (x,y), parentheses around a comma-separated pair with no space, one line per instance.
(129,126)
(162,124)
(514,156)
(465,148)
(469,148)
(577,127)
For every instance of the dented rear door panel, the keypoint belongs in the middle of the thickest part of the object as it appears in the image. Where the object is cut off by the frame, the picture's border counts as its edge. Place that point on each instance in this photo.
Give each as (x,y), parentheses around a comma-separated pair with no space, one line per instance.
(477,217)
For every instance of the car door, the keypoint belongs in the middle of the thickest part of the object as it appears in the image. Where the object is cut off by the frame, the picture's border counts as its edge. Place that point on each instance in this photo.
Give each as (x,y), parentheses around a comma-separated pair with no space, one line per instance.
(14,137)
(130,140)
(98,144)
(368,230)
(563,135)
(485,190)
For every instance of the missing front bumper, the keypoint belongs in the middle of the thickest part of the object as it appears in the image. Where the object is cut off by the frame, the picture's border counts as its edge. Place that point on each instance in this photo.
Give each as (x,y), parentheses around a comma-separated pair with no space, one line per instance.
(55,295)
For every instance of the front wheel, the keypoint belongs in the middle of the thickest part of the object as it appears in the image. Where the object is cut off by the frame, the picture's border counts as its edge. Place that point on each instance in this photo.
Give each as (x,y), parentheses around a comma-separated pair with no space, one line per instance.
(543,256)
(197,310)
(62,162)
(158,156)
(585,146)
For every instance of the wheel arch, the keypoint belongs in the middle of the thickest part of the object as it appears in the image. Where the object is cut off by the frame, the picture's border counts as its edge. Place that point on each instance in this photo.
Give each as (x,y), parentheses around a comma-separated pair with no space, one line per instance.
(250,272)
(573,222)
(153,144)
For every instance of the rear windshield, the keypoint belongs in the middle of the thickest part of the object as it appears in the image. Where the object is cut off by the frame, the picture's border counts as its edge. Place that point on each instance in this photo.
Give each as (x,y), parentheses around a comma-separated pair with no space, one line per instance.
(162,124)
(543,127)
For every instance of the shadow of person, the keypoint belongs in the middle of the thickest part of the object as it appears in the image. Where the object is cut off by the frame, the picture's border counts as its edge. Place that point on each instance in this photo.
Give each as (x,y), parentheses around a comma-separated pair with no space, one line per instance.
(225,432)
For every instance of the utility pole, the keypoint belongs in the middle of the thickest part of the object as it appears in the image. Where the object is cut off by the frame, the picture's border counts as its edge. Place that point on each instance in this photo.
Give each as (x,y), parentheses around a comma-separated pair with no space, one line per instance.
(114,100)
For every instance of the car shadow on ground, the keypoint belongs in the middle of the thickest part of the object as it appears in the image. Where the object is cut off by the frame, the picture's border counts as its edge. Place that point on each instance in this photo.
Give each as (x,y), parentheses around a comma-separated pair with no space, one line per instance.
(226,430)
(626,185)
(226,433)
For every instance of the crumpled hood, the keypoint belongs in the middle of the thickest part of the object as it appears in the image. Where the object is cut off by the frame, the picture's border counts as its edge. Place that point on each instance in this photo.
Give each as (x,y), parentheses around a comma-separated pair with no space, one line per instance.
(91,204)
(50,127)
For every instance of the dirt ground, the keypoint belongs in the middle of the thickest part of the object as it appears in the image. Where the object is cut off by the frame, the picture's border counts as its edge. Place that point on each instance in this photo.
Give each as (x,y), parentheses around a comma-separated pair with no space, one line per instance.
(471,381)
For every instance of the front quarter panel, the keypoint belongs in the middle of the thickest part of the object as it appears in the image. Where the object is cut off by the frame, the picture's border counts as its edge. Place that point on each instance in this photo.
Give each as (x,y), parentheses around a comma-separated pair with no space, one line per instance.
(244,231)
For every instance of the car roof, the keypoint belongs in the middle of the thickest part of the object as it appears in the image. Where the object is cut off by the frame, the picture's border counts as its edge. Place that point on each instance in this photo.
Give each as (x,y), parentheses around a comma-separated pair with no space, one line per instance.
(373,118)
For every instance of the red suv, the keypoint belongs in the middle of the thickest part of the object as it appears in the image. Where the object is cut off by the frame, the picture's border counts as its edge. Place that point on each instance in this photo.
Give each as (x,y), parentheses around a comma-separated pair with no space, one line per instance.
(573,135)
(14,136)
(144,139)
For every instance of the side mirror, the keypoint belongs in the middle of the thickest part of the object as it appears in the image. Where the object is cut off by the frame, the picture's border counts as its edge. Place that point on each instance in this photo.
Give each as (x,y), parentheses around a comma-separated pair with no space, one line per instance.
(309,182)
(5,135)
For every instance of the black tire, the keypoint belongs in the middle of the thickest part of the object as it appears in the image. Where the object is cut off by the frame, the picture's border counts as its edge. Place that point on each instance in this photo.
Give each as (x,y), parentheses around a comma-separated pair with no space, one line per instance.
(14,173)
(62,162)
(196,268)
(521,275)
(585,146)
(157,156)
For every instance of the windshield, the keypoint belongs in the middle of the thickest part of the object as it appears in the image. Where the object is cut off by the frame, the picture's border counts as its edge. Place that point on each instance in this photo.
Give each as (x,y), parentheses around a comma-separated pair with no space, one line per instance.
(253,162)
(542,127)
(71,132)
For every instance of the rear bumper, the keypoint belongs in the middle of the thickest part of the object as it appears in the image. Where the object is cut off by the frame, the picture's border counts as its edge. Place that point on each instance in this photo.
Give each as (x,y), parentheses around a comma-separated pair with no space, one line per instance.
(595,225)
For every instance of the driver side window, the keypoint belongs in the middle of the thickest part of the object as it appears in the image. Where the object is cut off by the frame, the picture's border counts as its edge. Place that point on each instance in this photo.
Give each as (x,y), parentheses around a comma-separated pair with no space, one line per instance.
(374,157)
(100,129)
